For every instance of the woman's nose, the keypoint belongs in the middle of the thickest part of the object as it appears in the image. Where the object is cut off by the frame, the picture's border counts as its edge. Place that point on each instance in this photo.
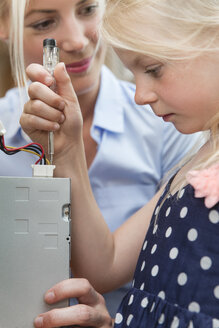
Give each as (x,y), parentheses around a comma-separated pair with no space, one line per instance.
(73,36)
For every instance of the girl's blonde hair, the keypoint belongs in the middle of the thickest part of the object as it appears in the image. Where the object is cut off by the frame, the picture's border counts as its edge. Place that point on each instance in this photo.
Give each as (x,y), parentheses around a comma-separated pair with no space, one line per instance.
(167,30)
(15,10)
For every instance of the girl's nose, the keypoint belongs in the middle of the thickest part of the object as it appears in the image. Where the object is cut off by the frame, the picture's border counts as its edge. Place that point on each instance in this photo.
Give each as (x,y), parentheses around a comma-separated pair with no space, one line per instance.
(73,36)
(144,94)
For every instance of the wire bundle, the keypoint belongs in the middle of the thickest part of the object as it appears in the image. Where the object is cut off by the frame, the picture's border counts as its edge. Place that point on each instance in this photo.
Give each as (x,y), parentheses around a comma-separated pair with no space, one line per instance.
(33,148)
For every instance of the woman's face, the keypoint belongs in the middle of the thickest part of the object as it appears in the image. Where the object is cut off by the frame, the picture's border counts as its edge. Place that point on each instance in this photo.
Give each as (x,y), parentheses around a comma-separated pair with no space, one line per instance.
(73,24)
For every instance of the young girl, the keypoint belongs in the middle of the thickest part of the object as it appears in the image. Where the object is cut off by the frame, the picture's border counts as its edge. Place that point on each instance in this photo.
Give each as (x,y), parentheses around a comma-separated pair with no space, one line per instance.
(172,49)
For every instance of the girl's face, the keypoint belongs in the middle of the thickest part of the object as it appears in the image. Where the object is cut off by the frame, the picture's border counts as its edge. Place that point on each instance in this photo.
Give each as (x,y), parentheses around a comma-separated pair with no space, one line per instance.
(185,93)
(74,25)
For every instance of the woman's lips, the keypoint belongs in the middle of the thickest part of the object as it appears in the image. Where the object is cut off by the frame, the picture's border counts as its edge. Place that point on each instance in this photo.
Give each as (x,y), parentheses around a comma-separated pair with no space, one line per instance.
(79,67)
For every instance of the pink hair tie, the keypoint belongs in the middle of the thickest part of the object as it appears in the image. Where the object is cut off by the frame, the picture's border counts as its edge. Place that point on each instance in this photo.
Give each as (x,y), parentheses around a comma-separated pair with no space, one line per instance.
(206,184)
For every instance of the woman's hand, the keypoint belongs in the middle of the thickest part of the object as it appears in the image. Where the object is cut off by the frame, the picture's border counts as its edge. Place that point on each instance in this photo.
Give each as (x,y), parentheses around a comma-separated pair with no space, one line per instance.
(57,111)
(90,312)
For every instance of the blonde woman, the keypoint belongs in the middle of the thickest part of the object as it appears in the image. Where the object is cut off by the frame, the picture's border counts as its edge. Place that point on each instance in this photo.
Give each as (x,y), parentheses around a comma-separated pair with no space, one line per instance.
(125,160)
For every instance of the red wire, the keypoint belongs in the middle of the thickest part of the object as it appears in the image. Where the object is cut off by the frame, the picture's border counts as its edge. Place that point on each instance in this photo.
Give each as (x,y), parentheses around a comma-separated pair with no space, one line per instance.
(23,147)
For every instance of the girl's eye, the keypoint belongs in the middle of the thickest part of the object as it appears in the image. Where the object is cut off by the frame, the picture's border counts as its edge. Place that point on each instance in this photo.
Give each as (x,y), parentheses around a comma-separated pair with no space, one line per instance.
(43,25)
(88,10)
(153,70)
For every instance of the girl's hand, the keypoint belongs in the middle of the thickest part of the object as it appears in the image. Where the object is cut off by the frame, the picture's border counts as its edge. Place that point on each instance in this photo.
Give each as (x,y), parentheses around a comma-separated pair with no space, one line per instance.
(47,110)
(90,312)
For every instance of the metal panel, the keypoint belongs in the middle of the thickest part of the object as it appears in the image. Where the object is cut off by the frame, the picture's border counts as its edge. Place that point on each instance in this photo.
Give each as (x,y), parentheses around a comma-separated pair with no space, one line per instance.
(34,245)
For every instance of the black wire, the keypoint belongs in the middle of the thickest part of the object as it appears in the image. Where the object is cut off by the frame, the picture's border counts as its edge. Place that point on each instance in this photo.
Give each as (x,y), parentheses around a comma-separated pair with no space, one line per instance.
(34,148)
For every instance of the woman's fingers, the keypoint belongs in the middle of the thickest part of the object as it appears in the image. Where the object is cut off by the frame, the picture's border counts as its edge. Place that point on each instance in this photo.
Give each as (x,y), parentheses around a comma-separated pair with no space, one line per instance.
(76,315)
(72,288)
(91,312)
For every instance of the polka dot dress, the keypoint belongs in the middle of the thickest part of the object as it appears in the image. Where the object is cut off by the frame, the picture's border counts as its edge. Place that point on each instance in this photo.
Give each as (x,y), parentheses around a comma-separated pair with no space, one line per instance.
(176,283)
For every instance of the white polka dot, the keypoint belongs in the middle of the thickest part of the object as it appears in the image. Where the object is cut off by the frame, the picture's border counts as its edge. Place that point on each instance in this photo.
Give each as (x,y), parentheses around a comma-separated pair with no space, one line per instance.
(144,302)
(155,270)
(143,266)
(216,292)
(175,323)
(155,229)
(173,253)
(168,232)
(192,235)
(205,263)
(191,324)
(168,211)
(181,193)
(133,283)
(215,323)
(161,319)
(118,318)
(194,307)
(162,295)
(145,245)
(153,250)
(130,317)
(152,307)
(142,286)
(157,210)
(182,279)
(131,299)
(214,216)
(183,212)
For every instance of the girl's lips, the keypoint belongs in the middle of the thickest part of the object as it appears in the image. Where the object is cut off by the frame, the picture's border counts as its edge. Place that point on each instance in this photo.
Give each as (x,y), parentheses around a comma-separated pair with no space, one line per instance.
(79,67)
(167,118)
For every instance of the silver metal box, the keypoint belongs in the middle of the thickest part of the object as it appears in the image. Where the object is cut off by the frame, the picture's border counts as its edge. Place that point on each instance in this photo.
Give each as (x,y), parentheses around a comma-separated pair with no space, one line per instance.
(34,245)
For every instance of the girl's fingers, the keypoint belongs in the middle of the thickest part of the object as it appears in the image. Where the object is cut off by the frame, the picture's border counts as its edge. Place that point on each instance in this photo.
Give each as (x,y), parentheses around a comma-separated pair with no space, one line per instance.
(40,109)
(31,123)
(36,72)
(64,84)
(41,92)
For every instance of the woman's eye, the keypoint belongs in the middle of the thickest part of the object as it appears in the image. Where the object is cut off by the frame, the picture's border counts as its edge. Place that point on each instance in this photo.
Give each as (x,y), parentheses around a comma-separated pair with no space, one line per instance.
(155,71)
(43,25)
(89,10)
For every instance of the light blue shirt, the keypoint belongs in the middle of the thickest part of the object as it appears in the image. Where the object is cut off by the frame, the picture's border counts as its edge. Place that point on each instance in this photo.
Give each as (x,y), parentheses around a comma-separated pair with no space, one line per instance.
(135,149)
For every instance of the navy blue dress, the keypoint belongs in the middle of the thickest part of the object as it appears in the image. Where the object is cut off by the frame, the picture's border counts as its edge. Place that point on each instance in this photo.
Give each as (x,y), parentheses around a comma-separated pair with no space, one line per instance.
(176,282)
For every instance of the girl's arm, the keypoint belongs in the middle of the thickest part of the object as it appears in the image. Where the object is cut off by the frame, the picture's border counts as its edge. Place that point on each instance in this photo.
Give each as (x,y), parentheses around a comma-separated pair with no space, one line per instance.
(106,260)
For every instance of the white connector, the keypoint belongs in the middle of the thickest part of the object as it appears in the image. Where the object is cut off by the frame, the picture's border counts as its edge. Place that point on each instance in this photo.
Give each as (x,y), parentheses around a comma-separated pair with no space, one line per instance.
(2,129)
(43,170)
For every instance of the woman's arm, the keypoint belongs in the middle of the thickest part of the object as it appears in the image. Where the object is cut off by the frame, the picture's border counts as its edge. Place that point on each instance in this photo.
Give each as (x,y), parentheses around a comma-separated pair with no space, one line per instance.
(106,260)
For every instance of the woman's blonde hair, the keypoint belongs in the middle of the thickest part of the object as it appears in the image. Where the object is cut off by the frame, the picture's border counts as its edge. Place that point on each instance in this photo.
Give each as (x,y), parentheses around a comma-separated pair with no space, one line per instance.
(15,10)
(168,30)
